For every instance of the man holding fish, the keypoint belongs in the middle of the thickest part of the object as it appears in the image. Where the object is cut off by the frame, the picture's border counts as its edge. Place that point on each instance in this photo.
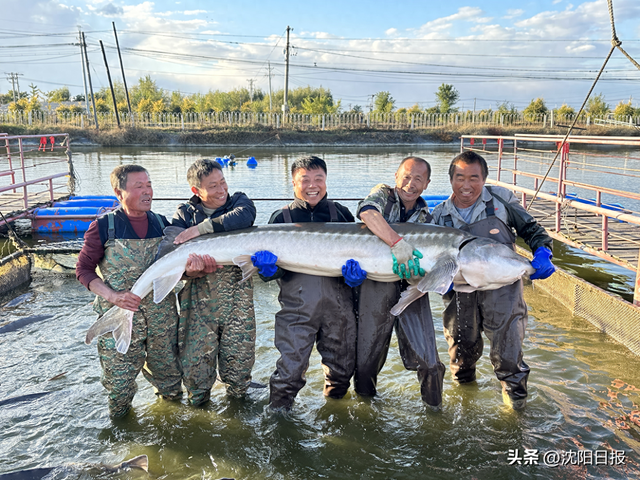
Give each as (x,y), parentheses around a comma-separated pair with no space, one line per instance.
(492,212)
(122,245)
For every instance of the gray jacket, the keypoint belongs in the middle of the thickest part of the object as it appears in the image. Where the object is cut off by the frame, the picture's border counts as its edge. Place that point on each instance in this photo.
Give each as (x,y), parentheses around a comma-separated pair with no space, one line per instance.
(507,208)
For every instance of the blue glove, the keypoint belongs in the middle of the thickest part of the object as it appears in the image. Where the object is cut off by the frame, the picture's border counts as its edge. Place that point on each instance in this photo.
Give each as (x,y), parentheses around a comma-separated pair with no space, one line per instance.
(352,273)
(266,263)
(542,263)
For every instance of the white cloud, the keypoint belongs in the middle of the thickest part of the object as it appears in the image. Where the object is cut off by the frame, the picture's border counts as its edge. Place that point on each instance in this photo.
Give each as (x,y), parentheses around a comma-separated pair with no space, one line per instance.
(513,13)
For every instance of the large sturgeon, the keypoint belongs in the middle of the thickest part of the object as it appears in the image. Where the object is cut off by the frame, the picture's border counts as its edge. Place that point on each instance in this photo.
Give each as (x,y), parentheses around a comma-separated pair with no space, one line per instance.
(472,263)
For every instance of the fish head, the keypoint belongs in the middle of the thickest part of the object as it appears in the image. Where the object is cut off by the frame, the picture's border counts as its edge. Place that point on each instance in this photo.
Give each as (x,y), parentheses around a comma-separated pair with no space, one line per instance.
(487,265)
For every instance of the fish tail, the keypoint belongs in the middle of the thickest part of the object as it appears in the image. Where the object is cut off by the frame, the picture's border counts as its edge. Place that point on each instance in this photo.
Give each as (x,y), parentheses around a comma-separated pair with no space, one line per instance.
(141,462)
(118,321)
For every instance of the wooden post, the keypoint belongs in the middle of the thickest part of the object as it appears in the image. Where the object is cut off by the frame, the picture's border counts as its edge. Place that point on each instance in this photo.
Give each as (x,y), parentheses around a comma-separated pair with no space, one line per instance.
(93,99)
(113,93)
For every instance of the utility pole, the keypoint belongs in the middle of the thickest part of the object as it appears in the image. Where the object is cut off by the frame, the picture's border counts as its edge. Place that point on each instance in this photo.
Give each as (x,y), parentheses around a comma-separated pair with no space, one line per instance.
(285,106)
(113,93)
(84,74)
(250,89)
(11,79)
(93,98)
(270,103)
(124,80)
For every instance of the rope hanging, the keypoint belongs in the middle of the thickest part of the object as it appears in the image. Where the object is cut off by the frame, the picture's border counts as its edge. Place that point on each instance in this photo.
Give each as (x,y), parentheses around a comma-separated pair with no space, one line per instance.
(615,43)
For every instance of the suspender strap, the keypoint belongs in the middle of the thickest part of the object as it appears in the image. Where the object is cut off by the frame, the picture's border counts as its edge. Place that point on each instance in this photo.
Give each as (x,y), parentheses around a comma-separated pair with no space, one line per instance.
(112,228)
(448,221)
(489,210)
(286,213)
(391,200)
(333,211)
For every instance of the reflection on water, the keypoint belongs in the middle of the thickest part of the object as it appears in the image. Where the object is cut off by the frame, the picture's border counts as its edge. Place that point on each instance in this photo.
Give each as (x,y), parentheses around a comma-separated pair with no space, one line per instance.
(583,387)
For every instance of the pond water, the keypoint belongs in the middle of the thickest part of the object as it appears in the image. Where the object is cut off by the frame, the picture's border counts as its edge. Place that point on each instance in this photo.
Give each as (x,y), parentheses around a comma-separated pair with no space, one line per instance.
(583,409)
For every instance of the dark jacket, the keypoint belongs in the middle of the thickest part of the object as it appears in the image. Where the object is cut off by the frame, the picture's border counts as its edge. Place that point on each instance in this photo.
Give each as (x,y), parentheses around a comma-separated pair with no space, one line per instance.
(238,212)
(302,212)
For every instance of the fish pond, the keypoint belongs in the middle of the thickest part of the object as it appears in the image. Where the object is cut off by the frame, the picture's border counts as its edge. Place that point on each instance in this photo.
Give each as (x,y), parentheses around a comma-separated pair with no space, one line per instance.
(582,419)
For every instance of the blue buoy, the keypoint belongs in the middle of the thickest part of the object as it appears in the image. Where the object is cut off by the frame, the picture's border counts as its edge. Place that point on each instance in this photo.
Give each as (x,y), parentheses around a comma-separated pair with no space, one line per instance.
(252,163)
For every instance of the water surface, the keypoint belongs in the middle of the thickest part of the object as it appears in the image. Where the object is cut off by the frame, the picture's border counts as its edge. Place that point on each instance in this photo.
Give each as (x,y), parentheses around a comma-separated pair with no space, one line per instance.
(584,387)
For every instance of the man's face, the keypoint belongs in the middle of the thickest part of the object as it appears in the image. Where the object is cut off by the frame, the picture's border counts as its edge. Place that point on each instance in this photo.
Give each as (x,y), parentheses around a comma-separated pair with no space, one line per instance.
(467,183)
(137,196)
(412,179)
(213,190)
(310,185)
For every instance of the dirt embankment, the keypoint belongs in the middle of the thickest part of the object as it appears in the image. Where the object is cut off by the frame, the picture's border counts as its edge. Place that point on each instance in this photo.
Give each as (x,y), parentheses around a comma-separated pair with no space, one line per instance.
(283,137)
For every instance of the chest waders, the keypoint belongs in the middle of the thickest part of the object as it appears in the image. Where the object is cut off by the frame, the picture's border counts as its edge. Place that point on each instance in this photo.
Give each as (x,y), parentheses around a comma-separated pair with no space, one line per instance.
(217,333)
(501,314)
(414,329)
(154,332)
(314,310)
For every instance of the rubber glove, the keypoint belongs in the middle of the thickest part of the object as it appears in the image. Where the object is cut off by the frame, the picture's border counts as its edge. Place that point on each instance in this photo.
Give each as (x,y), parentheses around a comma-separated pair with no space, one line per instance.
(406,260)
(542,263)
(352,273)
(266,262)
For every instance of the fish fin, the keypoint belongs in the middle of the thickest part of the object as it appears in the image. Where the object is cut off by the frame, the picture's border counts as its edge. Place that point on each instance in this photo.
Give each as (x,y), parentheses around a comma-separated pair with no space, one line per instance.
(141,462)
(464,288)
(411,294)
(116,320)
(166,245)
(122,334)
(440,277)
(246,265)
(163,285)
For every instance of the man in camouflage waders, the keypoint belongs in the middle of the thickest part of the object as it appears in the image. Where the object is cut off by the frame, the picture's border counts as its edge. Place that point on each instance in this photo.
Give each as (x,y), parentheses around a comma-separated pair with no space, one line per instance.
(217,329)
(123,244)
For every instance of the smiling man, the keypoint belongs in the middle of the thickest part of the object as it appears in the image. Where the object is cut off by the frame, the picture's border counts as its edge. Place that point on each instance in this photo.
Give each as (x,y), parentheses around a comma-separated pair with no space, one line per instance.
(414,327)
(315,310)
(496,213)
(217,328)
(122,245)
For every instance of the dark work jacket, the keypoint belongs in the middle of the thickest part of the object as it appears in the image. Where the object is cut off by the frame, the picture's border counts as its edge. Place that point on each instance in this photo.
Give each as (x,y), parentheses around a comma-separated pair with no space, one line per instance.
(238,212)
(302,212)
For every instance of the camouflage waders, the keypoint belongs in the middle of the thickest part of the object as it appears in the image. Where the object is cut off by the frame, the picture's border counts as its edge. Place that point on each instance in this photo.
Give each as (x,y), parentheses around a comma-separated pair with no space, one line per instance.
(217,330)
(154,333)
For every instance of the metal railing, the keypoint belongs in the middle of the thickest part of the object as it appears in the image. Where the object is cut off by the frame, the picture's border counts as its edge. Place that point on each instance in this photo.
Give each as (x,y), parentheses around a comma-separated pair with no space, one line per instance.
(579,203)
(390,121)
(22,185)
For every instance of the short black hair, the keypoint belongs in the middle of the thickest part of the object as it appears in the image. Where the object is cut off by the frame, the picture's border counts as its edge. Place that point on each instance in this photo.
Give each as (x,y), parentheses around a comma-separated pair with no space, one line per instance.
(119,175)
(308,163)
(200,169)
(469,158)
(420,160)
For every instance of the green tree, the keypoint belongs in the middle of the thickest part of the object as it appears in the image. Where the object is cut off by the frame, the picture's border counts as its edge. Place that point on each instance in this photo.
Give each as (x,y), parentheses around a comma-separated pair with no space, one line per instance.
(319,105)
(414,110)
(383,102)
(175,103)
(597,107)
(506,108)
(59,95)
(535,109)
(102,106)
(446,97)
(623,110)
(188,105)
(145,89)
(35,92)
(565,112)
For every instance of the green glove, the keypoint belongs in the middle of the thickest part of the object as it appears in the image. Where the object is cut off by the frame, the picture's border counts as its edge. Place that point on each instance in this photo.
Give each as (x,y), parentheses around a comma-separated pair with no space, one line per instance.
(406,260)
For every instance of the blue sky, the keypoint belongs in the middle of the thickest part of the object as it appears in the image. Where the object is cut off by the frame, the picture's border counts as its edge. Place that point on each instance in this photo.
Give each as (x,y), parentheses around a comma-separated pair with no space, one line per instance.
(491,51)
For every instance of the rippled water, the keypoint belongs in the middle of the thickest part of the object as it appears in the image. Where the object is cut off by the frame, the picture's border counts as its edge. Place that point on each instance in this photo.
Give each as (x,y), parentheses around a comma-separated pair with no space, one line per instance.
(584,387)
